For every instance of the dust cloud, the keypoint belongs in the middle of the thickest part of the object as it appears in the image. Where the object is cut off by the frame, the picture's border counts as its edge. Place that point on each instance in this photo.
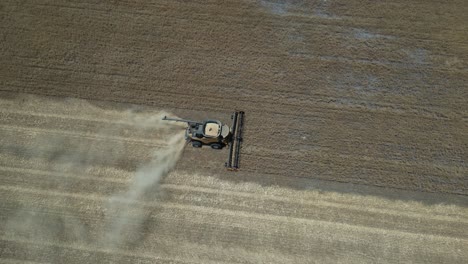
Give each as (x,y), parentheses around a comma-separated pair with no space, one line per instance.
(120,153)
(147,177)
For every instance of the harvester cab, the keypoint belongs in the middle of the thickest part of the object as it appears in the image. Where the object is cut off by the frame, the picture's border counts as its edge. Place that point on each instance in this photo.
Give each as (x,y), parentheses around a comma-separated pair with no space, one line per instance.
(217,135)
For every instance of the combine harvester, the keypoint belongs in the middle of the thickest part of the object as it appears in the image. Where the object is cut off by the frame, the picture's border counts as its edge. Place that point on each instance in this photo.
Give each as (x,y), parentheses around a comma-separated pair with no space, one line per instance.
(217,135)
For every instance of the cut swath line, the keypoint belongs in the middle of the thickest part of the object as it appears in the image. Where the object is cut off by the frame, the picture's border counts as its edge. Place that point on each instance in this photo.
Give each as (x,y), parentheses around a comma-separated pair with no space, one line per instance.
(248,195)
(92,136)
(81,247)
(314,203)
(70,117)
(237,214)
(19,261)
(120,118)
(33,166)
(61,174)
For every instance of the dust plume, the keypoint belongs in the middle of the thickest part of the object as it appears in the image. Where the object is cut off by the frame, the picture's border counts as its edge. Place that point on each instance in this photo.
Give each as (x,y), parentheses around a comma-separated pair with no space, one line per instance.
(130,214)
(71,146)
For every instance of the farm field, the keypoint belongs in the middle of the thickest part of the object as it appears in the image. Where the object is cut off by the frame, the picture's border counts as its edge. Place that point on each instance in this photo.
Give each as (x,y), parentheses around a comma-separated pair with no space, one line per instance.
(82,183)
(355,147)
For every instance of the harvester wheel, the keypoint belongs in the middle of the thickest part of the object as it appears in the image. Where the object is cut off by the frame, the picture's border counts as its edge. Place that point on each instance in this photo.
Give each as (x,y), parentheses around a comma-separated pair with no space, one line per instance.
(216,146)
(196,144)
